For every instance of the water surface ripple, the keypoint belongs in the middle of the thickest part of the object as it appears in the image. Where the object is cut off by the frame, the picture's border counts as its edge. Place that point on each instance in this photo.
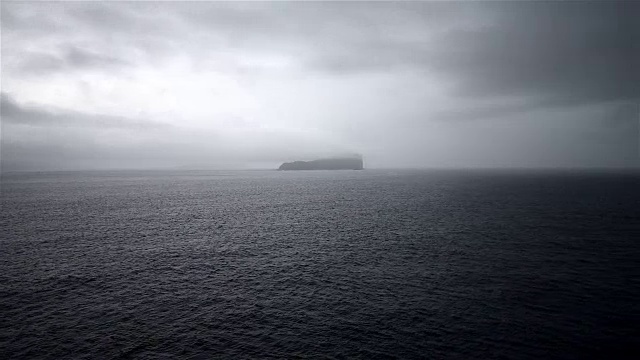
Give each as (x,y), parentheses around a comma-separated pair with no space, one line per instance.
(326,264)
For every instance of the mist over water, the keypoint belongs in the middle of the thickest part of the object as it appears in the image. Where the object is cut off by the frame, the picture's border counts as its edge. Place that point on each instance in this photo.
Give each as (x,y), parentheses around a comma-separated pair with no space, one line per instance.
(322,264)
(237,85)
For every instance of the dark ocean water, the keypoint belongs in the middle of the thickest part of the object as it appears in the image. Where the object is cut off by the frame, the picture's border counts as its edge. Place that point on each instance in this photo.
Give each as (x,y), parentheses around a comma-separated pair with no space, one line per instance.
(369,264)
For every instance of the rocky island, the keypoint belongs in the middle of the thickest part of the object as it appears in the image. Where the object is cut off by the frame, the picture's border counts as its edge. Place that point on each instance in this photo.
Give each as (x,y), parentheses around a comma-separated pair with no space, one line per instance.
(351,163)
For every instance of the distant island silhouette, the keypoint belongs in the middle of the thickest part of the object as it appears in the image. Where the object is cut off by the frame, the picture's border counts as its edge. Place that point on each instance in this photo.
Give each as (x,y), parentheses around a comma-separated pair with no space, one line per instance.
(343,163)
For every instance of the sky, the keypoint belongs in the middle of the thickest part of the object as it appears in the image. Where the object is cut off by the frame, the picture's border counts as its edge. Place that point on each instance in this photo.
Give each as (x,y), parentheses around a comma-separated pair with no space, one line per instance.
(217,85)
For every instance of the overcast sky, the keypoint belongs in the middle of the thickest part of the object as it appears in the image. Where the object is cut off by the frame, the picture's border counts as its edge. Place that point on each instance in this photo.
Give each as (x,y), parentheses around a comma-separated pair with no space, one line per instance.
(252,84)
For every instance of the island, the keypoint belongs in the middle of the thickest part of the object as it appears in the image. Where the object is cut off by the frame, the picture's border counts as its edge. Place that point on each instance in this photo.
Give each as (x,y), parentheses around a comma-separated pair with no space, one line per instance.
(349,163)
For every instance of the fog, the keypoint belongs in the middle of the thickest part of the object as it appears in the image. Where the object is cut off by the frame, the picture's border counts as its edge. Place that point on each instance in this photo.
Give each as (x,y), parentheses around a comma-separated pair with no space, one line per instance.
(250,85)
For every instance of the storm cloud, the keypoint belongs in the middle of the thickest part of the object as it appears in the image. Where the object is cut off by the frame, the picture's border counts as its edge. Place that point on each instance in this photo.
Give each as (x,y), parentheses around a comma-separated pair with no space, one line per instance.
(13,113)
(409,84)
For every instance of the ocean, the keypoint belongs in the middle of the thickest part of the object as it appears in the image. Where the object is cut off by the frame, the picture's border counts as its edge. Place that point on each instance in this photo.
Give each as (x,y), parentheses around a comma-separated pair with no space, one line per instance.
(373,264)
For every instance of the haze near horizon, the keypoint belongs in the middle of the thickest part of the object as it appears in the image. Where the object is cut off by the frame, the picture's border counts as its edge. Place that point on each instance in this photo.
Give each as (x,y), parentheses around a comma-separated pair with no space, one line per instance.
(140,85)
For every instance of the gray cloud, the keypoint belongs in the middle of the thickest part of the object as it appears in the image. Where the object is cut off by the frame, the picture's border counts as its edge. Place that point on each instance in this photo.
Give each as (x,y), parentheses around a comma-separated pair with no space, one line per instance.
(76,57)
(572,51)
(14,113)
(558,53)
(72,59)
(44,138)
(546,83)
